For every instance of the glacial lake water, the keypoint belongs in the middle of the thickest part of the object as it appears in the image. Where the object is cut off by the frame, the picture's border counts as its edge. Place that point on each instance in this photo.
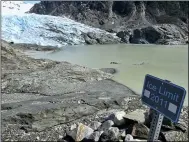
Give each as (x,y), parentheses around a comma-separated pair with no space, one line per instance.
(135,61)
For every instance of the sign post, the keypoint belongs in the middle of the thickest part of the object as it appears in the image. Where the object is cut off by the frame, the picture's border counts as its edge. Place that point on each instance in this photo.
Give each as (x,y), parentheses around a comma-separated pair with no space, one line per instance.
(155,127)
(165,98)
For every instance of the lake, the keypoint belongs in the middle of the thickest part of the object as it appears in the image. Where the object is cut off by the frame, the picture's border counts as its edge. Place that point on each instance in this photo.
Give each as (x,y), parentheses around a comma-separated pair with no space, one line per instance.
(168,62)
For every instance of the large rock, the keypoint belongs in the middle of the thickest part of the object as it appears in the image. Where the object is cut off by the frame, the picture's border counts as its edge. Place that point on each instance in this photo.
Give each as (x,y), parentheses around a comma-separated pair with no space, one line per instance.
(95,125)
(110,135)
(106,125)
(83,131)
(137,115)
(95,136)
(175,136)
(138,130)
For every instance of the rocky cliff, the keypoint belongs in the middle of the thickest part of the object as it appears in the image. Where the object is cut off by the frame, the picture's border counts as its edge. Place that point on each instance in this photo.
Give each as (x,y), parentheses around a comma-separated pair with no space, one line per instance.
(117,16)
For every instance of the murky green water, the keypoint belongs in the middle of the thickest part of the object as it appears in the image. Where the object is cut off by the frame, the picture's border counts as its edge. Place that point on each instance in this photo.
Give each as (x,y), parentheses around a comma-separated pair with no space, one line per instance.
(135,61)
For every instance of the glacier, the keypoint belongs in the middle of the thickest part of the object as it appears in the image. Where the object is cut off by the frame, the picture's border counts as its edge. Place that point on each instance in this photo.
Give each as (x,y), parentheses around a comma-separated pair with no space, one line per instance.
(45,30)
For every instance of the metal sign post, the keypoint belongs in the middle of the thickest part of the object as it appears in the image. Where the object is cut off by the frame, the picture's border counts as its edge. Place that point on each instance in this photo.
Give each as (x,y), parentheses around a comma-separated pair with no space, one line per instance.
(155,127)
(165,98)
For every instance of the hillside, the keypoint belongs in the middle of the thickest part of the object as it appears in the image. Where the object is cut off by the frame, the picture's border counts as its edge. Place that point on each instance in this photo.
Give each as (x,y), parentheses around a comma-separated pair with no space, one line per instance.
(125,15)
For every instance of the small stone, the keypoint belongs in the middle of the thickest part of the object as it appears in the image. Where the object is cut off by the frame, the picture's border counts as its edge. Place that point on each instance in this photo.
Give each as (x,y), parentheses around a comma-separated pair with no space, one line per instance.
(60,136)
(128,138)
(95,125)
(123,134)
(106,125)
(117,118)
(73,126)
(37,138)
(83,131)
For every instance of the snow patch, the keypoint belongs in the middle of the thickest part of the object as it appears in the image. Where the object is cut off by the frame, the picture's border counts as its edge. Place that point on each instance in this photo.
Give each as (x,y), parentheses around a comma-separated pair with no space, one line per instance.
(15,7)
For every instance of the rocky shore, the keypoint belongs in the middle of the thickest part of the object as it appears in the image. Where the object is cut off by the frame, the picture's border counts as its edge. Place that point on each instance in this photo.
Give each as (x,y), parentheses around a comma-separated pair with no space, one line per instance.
(45,100)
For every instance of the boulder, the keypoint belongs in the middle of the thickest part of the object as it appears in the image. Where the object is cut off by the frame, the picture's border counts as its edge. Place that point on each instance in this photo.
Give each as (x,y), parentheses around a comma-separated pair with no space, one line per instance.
(95,125)
(106,125)
(182,126)
(79,133)
(137,116)
(83,131)
(95,136)
(138,130)
(118,118)
(175,136)
(110,135)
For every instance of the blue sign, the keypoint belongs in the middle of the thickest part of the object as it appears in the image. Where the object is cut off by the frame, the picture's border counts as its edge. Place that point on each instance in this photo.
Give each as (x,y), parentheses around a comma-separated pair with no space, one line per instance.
(163,96)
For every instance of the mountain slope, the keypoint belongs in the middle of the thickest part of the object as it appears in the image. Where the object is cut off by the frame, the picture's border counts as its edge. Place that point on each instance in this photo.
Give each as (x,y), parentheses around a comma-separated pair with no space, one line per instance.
(118,15)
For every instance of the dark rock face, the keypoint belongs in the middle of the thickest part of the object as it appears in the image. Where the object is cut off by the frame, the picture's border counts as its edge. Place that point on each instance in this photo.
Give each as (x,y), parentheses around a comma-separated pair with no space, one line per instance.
(93,38)
(125,36)
(156,34)
(118,14)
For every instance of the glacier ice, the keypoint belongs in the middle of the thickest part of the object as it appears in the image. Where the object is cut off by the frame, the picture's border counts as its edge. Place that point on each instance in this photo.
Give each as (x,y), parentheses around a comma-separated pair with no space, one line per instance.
(44,30)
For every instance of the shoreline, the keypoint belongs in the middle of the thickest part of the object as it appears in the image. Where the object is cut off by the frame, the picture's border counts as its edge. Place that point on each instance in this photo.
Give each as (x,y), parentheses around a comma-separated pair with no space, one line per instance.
(35,47)
(43,98)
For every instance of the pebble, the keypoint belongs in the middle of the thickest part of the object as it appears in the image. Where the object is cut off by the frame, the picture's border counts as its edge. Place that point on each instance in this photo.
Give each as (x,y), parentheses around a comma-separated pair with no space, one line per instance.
(128,138)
